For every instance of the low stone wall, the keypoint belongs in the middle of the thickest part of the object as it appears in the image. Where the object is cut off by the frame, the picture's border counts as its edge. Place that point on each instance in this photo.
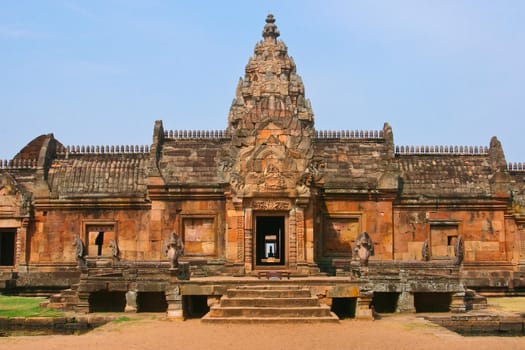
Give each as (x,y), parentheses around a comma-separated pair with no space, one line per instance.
(482,324)
(62,325)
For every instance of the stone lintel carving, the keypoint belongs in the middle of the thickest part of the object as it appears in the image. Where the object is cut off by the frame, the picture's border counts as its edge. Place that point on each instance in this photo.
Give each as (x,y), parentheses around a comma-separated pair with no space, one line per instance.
(271,205)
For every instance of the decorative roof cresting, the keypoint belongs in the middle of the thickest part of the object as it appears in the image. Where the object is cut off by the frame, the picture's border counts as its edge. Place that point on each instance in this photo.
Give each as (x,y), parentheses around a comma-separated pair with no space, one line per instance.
(270,30)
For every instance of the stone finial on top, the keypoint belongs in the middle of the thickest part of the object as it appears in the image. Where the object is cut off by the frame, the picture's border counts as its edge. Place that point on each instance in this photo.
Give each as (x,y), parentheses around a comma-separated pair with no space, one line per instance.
(270,28)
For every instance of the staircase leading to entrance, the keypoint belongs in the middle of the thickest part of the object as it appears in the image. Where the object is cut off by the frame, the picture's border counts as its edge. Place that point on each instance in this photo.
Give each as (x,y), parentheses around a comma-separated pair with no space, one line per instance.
(268,303)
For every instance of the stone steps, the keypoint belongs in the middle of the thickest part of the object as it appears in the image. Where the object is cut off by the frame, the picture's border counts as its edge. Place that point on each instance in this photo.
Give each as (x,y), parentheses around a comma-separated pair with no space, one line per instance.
(266,293)
(251,320)
(65,300)
(269,304)
(257,311)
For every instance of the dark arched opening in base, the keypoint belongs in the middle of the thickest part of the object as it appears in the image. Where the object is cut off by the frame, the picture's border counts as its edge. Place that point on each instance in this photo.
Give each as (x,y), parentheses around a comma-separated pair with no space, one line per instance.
(385,302)
(432,302)
(105,301)
(151,302)
(195,306)
(344,307)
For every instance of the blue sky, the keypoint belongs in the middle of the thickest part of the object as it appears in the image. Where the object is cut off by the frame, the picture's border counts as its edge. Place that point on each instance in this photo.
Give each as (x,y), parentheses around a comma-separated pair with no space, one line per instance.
(443,72)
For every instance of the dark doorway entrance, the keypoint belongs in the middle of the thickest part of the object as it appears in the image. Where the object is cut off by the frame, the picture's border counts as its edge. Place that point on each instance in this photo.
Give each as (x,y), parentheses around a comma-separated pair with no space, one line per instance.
(269,241)
(7,247)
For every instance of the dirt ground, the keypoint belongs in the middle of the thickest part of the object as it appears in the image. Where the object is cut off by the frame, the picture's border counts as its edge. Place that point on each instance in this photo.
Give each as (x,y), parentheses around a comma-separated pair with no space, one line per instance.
(154,332)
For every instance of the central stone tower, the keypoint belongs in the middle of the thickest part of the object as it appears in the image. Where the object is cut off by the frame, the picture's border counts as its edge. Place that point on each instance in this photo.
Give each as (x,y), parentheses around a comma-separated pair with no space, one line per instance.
(271,123)
(270,166)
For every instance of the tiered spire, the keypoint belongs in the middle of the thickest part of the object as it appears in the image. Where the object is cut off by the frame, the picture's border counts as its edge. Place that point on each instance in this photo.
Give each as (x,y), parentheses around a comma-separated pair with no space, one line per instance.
(271,125)
(271,87)
(270,29)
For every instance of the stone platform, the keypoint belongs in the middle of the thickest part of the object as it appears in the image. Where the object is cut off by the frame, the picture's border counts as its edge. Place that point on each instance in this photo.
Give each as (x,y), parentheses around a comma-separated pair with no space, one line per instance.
(270,304)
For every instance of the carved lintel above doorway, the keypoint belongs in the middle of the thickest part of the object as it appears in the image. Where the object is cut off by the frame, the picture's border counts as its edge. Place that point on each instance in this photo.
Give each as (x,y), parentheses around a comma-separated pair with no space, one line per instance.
(270,204)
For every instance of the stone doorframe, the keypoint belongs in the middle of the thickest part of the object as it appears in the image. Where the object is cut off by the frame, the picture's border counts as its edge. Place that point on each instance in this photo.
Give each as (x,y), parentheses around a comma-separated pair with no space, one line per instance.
(294,227)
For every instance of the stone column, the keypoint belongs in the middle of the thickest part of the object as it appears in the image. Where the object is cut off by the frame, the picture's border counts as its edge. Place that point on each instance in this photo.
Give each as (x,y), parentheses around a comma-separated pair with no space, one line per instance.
(310,223)
(83,302)
(292,239)
(405,302)
(247,229)
(363,310)
(299,230)
(458,303)
(174,299)
(131,301)
(21,246)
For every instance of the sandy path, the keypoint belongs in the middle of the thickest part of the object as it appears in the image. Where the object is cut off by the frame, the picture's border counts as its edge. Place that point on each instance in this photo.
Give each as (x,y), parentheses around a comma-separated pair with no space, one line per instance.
(395,332)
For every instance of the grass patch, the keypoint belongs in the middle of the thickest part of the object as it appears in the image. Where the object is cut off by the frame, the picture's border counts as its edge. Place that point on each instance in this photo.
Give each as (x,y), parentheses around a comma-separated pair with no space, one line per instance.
(510,304)
(122,319)
(25,307)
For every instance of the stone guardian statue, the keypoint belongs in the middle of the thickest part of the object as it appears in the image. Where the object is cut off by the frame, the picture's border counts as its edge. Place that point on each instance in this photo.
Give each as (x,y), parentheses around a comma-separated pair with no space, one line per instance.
(174,249)
(363,248)
(80,251)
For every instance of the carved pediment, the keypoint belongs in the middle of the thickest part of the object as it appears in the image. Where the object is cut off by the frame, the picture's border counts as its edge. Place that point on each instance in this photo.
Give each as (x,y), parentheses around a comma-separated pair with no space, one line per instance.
(271,123)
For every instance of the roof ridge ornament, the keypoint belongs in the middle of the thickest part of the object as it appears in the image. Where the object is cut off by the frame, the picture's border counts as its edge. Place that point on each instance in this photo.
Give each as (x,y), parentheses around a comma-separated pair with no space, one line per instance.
(270,30)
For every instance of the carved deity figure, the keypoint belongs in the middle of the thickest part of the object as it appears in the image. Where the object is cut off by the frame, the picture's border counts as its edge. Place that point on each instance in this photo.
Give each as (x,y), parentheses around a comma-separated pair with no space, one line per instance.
(363,248)
(425,251)
(115,251)
(174,249)
(459,251)
(80,250)
(273,178)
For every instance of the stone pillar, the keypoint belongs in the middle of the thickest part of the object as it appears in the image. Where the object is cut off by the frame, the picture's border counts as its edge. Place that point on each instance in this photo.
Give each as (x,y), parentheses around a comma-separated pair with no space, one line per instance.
(174,299)
(247,229)
(21,246)
(83,302)
(83,292)
(299,231)
(458,303)
(309,229)
(405,302)
(131,301)
(363,310)
(292,239)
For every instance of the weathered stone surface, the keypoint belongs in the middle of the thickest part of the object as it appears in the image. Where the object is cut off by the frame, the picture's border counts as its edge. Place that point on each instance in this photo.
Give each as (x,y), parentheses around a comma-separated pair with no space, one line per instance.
(218,190)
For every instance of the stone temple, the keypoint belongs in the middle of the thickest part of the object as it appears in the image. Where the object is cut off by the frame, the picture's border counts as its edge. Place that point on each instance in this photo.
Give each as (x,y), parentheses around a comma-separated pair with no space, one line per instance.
(268,206)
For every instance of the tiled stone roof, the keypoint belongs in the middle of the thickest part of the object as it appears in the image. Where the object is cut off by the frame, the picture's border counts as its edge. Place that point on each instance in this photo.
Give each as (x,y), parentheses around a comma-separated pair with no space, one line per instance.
(85,174)
(445,175)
